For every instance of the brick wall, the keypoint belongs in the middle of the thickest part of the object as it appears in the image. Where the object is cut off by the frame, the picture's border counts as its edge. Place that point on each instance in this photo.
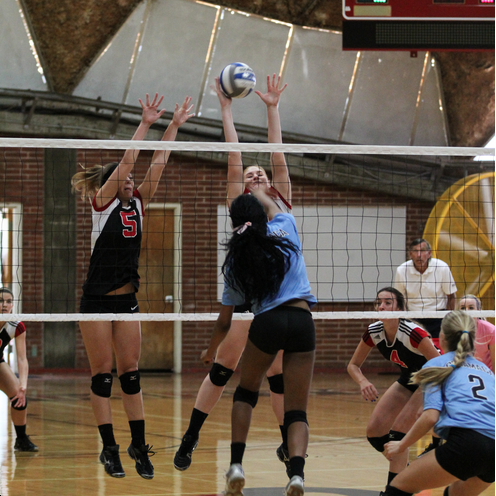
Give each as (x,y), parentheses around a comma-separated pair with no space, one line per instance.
(199,188)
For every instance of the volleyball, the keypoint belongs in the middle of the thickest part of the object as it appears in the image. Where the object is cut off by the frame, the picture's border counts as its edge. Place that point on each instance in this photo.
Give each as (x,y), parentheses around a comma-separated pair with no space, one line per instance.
(237,80)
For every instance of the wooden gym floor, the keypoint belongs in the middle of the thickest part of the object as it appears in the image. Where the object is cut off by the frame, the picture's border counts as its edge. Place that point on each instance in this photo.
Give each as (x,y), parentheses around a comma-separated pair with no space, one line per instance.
(60,421)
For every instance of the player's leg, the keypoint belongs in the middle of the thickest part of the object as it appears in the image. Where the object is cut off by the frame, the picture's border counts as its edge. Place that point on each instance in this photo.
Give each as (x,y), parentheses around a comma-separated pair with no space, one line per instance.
(471,487)
(298,371)
(254,366)
(10,385)
(97,338)
(211,389)
(382,420)
(276,386)
(402,424)
(126,338)
(227,356)
(422,473)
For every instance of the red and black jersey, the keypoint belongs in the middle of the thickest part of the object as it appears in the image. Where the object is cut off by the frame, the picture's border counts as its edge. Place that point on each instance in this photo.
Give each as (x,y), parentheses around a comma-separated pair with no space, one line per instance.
(115,246)
(403,351)
(9,331)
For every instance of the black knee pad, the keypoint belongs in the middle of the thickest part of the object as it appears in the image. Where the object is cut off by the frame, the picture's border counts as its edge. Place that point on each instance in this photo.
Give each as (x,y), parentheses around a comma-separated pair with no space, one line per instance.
(276,383)
(242,394)
(20,408)
(101,385)
(396,435)
(379,442)
(219,375)
(294,416)
(130,382)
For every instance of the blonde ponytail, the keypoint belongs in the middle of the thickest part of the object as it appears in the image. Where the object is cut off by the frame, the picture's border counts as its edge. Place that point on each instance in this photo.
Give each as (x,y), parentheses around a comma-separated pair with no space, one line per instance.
(459,334)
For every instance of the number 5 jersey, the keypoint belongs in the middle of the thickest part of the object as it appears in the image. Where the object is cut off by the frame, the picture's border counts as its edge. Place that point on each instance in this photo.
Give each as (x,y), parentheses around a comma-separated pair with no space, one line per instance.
(115,245)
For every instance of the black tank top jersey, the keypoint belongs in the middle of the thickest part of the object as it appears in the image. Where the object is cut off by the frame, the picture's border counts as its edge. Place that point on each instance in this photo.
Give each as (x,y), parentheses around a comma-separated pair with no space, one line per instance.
(404,350)
(9,331)
(115,246)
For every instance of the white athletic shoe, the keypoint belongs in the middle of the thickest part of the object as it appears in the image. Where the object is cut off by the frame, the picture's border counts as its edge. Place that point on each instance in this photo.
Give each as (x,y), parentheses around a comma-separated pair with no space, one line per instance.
(295,487)
(235,480)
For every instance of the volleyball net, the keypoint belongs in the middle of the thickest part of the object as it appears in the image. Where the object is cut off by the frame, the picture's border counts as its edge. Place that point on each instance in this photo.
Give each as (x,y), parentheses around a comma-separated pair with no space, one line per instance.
(356,208)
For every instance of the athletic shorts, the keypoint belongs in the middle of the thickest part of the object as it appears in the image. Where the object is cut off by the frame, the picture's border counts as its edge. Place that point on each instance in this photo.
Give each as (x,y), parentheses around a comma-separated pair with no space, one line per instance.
(126,303)
(467,453)
(404,380)
(283,328)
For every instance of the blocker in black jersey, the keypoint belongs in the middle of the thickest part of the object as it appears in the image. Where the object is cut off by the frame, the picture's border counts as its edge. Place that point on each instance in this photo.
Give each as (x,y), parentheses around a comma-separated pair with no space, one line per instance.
(115,245)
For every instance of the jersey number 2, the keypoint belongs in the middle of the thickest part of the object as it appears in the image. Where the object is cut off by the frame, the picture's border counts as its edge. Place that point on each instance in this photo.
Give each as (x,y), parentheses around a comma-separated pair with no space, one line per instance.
(131,226)
(480,387)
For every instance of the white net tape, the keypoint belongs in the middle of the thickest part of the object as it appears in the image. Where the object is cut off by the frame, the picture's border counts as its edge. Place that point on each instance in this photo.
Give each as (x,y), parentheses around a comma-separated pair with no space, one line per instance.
(245,147)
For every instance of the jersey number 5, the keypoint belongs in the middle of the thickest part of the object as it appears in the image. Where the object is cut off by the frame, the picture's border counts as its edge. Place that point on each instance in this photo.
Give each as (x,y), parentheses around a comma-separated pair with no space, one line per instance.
(131,226)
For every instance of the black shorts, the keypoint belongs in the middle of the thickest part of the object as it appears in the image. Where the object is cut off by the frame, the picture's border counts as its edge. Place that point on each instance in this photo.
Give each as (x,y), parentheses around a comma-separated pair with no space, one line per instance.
(126,303)
(283,328)
(404,380)
(467,453)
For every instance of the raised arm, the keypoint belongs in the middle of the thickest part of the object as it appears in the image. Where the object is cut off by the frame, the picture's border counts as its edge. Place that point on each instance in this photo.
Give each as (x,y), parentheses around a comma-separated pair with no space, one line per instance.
(280,173)
(149,115)
(368,390)
(235,182)
(269,205)
(160,157)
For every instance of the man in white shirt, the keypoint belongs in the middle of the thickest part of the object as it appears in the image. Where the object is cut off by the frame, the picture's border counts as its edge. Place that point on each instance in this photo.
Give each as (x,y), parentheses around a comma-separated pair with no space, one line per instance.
(427,284)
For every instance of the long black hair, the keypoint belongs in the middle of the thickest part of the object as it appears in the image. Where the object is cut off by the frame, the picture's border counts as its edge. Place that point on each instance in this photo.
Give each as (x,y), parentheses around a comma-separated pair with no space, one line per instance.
(255,262)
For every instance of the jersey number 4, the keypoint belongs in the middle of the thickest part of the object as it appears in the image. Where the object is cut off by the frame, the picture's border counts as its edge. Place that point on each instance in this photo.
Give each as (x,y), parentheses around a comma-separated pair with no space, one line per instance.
(396,359)
(130,225)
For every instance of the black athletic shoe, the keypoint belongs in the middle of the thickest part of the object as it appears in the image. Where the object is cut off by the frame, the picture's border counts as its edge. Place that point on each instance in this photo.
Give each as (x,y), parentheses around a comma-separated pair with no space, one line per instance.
(25,444)
(182,458)
(283,456)
(111,459)
(144,466)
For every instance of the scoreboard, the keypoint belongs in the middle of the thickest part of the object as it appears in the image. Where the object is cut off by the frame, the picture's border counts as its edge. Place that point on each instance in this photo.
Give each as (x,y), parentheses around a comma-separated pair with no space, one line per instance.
(418,25)
(418,10)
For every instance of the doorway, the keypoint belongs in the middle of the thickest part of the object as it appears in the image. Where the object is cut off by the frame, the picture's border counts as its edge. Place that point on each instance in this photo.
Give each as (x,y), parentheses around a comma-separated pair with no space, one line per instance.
(159,287)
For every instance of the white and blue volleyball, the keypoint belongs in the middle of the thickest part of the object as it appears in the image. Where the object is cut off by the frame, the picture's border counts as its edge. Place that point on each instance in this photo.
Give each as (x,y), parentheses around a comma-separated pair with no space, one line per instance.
(237,80)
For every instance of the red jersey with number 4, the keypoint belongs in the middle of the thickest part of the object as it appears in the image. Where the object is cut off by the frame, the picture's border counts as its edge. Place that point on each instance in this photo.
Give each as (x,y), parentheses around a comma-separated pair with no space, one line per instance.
(115,245)
(403,351)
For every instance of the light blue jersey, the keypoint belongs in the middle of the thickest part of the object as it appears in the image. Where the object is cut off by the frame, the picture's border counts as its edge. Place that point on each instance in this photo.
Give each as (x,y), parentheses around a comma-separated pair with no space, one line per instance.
(465,399)
(295,284)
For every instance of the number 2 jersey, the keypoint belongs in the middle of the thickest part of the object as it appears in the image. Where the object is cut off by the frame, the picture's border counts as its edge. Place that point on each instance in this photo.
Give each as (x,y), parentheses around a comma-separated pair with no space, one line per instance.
(403,351)
(115,245)
(9,331)
(465,399)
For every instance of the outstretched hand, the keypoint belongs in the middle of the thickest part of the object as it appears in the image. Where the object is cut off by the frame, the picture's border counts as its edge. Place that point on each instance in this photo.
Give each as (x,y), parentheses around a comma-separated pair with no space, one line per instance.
(271,98)
(183,113)
(151,114)
(224,100)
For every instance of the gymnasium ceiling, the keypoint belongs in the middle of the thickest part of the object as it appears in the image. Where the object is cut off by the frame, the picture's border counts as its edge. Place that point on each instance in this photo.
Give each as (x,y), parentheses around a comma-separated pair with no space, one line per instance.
(71,34)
